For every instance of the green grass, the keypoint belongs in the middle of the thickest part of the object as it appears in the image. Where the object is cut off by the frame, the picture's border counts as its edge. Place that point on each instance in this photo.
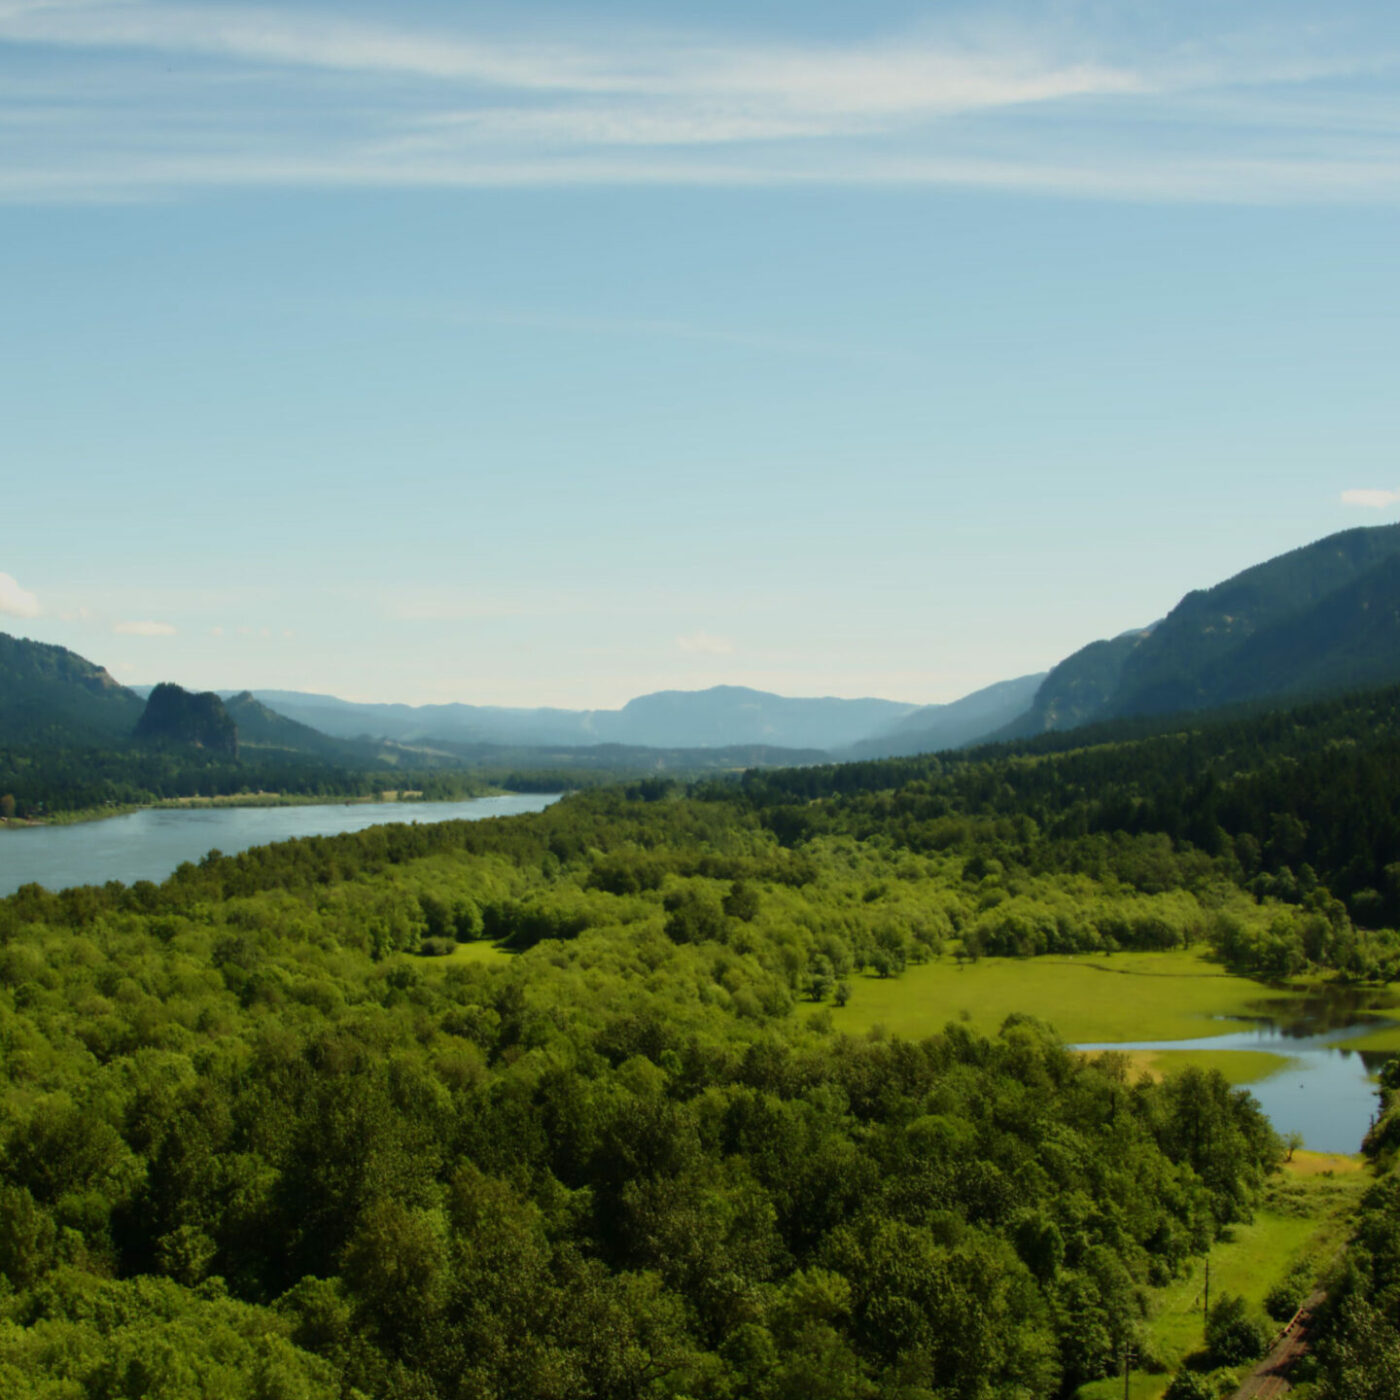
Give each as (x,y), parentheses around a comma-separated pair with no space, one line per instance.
(1238,1066)
(1376,1040)
(1312,1221)
(1125,996)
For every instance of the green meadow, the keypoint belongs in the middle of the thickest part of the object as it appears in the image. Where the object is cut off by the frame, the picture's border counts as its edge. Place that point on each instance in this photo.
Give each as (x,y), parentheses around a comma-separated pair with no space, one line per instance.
(1174,995)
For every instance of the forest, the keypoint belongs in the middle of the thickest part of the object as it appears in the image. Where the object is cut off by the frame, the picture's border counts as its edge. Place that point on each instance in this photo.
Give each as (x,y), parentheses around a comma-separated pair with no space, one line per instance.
(554,1105)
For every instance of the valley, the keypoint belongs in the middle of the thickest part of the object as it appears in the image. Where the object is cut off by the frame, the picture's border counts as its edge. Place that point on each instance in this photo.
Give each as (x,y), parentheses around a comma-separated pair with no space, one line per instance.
(934,1075)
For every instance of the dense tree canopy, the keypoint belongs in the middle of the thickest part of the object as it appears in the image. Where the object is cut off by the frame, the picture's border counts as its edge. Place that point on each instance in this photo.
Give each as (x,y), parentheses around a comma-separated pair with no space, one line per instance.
(253,1128)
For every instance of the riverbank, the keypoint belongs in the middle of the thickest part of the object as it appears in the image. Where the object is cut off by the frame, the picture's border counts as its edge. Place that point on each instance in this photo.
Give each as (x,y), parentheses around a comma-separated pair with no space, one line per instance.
(150,843)
(389,797)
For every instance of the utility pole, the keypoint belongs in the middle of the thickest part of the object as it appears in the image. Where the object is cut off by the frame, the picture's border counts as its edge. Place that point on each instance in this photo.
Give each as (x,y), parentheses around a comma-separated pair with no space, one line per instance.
(1127,1370)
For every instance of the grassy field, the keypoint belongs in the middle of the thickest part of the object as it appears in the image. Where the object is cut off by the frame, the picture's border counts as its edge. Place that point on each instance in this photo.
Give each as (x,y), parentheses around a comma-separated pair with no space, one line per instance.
(1315,1196)
(1123,996)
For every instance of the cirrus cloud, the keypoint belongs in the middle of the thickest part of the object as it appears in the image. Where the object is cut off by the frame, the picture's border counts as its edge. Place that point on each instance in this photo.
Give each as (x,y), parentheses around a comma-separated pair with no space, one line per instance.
(16,601)
(133,99)
(144,629)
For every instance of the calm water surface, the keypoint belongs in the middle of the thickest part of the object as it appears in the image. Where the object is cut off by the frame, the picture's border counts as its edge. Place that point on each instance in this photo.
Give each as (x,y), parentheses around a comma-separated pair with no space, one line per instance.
(1326,1091)
(149,845)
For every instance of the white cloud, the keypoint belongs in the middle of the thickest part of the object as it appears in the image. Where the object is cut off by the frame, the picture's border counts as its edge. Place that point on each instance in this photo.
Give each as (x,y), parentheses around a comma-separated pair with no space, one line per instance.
(1371,499)
(705,644)
(144,629)
(879,77)
(16,601)
(1094,112)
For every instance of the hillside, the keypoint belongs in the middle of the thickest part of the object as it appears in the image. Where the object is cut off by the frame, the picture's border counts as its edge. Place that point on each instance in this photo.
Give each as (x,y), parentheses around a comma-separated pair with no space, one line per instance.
(935,727)
(263,730)
(48,690)
(1319,619)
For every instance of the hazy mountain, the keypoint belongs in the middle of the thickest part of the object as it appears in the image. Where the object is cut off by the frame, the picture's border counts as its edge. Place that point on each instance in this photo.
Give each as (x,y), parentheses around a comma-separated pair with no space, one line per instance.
(1080,688)
(49,693)
(723,716)
(461,724)
(731,714)
(174,715)
(262,728)
(954,725)
(1321,618)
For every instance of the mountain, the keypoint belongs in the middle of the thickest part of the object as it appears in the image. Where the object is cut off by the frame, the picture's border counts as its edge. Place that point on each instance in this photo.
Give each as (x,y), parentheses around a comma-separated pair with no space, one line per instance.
(1318,619)
(723,716)
(260,729)
(961,722)
(48,692)
(727,715)
(174,715)
(1078,690)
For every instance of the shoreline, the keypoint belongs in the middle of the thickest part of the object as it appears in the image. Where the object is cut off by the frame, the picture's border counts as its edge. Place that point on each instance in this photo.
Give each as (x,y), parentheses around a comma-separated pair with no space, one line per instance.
(390,797)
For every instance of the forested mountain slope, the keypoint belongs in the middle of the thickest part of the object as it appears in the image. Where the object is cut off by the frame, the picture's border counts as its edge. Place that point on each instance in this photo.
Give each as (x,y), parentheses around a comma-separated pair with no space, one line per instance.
(951,726)
(49,692)
(1324,618)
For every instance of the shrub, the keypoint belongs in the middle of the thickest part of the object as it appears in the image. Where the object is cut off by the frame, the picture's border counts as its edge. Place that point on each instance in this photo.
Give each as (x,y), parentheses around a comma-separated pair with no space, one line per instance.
(1233,1336)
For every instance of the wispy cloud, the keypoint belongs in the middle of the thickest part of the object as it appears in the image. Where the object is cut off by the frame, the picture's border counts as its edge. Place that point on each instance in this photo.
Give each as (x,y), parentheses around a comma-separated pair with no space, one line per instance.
(144,629)
(16,601)
(1371,499)
(136,98)
(705,644)
(894,76)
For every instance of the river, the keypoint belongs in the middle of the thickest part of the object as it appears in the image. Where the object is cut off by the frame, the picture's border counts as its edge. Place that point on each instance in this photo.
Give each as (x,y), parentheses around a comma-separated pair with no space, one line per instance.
(149,845)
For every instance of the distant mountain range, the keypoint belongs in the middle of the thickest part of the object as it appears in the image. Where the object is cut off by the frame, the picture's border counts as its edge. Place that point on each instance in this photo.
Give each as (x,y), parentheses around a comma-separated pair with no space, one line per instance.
(1318,620)
(721,717)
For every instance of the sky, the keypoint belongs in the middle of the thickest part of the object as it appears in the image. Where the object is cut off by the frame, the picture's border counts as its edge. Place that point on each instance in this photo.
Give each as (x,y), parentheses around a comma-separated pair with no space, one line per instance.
(540,354)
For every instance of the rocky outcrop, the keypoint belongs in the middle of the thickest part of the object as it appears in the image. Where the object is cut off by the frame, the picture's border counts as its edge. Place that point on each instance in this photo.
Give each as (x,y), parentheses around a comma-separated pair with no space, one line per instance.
(174,715)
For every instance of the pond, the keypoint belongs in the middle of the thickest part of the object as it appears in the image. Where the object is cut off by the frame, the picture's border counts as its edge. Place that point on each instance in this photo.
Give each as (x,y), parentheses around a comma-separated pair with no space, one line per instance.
(149,845)
(1326,1091)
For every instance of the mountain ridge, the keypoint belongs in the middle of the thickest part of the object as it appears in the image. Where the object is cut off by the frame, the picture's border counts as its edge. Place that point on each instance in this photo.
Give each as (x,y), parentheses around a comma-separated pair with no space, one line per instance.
(717,717)
(1292,625)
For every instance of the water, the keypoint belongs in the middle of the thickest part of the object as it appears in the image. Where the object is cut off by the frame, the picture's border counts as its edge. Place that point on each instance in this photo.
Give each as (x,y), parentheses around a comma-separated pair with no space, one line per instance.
(1326,1091)
(149,845)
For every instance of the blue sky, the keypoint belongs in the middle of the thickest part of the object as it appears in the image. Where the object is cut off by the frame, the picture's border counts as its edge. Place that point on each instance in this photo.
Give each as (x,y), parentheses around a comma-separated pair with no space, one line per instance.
(540,354)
